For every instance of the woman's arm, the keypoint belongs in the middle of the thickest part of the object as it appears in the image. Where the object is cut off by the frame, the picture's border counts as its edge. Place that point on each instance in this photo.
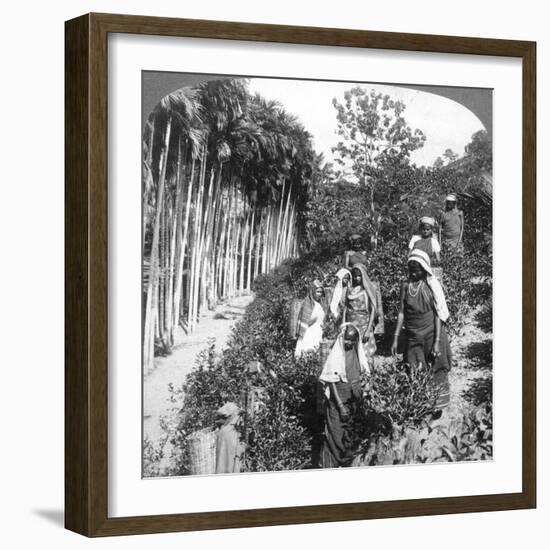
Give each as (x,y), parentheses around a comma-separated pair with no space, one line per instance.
(341,318)
(371,319)
(346,259)
(334,394)
(436,348)
(436,247)
(400,318)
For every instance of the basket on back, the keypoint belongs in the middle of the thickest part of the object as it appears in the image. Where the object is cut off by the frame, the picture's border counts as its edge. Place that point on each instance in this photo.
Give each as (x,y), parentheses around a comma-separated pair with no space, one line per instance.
(295,306)
(201,447)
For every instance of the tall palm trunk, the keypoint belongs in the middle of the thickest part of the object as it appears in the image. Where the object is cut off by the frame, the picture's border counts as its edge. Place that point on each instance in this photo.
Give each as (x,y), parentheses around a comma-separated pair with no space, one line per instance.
(182,248)
(250,250)
(214,252)
(150,308)
(195,265)
(258,244)
(208,238)
(204,242)
(245,237)
(228,238)
(278,234)
(149,161)
(282,234)
(266,237)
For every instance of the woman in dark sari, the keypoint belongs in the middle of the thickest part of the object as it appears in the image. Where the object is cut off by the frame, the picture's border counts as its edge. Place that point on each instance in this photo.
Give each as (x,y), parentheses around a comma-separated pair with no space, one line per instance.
(341,377)
(423,312)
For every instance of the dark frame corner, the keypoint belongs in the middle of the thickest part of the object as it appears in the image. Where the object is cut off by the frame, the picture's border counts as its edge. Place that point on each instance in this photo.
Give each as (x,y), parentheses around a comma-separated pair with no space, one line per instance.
(86,274)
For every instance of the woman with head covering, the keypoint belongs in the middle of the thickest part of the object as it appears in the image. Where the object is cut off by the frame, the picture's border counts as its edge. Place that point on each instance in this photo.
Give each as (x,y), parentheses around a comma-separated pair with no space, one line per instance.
(310,319)
(423,312)
(356,253)
(425,240)
(451,224)
(337,303)
(341,376)
(360,307)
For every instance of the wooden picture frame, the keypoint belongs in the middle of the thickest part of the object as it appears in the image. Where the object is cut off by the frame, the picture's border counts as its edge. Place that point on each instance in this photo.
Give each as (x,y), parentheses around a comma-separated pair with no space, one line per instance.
(86,279)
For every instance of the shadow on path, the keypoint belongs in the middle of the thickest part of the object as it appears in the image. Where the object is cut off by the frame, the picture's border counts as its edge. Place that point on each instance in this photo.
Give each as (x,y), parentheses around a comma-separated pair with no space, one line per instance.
(479,391)
(479,355)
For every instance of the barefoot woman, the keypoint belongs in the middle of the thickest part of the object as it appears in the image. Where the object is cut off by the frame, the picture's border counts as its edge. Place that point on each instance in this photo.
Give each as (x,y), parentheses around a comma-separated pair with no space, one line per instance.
(341,377)
(423,311)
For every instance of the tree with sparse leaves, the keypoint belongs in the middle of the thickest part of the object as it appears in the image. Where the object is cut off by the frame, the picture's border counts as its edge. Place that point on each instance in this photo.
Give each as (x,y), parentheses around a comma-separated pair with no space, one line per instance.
(450,155)
(372,128)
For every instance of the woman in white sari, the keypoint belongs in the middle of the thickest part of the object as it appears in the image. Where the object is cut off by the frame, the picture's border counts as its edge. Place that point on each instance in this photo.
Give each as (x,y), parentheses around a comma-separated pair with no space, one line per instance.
(310,320)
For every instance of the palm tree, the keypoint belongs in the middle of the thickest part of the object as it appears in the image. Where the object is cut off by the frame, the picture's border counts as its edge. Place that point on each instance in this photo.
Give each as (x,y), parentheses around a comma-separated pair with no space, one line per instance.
(225,175)
(180,110)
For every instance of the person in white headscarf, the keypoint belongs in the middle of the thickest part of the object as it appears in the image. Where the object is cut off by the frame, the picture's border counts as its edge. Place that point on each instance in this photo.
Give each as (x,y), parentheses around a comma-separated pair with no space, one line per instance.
(451,224)
(425,240)
(343,281)
(310,319)
(423,312)
(341,376)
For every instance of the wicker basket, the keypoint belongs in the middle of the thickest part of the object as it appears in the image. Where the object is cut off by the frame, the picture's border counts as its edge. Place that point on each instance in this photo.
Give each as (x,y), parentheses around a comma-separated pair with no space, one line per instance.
(202,452)
(295,307)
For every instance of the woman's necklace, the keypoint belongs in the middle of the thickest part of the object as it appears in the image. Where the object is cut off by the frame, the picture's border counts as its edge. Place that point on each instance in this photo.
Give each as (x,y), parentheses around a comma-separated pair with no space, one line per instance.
(414,291)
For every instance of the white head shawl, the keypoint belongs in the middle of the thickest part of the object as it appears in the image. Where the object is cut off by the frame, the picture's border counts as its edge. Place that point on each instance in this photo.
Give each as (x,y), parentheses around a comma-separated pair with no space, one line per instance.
(334,369)
(338,291)
(428,220)
(420,257)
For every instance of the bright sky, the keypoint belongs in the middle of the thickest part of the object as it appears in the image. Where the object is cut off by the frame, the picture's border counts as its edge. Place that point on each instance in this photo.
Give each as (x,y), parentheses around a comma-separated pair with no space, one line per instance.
(446,124)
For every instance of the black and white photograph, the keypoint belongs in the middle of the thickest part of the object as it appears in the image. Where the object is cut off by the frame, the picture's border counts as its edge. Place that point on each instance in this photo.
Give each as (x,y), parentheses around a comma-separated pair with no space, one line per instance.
(317,274)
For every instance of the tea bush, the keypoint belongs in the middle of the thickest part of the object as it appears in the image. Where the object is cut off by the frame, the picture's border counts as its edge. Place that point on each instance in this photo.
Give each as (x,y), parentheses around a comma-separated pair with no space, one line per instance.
(466,438)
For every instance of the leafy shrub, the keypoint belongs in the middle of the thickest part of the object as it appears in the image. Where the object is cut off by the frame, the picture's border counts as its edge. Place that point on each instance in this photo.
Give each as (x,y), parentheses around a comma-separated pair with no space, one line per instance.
(405,395)
(153,453)
(468,437)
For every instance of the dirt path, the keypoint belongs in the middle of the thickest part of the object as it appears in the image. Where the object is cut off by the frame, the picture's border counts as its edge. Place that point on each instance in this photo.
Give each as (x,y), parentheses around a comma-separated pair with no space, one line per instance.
(174,368)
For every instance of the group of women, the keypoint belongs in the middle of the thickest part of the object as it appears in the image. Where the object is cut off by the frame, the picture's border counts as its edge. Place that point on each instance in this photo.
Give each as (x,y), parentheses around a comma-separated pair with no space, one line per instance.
(422,316)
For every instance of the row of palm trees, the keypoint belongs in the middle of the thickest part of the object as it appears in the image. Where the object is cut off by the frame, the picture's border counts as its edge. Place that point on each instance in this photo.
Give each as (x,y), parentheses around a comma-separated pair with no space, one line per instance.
(225,176)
